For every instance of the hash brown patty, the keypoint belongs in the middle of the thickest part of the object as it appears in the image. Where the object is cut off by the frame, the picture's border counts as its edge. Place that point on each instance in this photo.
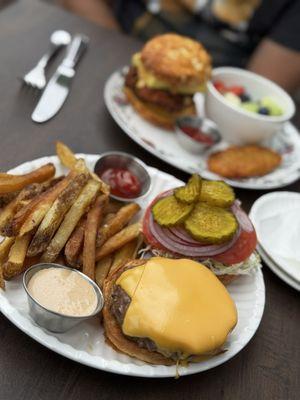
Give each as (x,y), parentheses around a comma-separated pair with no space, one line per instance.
(243,161)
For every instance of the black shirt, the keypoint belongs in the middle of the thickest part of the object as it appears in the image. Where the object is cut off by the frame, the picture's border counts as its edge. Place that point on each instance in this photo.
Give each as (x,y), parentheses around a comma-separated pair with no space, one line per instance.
(230,29)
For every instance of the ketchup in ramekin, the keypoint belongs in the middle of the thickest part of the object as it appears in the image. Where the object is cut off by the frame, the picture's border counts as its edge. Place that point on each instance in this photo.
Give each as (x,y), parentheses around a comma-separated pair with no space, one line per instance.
(197,134)
(122,182)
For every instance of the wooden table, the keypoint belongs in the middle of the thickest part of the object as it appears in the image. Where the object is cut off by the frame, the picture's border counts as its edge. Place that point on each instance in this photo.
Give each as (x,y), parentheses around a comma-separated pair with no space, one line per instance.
(268,368)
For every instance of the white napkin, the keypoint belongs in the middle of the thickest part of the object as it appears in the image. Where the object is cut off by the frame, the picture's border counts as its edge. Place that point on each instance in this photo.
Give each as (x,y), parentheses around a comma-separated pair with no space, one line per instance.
(279,234)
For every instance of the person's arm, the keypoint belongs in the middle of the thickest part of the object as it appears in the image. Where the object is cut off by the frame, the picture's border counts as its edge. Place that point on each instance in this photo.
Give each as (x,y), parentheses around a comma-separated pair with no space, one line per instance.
(278,63)
(278,55)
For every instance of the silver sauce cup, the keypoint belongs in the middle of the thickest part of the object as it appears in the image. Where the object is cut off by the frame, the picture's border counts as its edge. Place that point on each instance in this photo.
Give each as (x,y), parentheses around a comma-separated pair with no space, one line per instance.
(207,127)
(51,320)
(118,159)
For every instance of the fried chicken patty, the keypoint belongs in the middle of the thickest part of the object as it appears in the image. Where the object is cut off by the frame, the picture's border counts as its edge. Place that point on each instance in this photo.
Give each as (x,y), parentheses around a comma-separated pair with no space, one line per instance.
(244,161)
(169,101)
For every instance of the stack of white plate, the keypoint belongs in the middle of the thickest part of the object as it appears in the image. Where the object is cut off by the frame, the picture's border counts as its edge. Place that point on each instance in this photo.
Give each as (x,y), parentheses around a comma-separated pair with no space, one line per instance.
(276,217)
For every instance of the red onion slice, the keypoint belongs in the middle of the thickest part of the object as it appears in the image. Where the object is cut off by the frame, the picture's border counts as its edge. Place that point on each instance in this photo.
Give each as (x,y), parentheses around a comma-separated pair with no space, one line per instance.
(175,245)
(177,240)
(183,235)
(242,218)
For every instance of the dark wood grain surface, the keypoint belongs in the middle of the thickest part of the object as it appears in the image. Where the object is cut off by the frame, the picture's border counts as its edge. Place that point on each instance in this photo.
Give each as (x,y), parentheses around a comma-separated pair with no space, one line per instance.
(268,368)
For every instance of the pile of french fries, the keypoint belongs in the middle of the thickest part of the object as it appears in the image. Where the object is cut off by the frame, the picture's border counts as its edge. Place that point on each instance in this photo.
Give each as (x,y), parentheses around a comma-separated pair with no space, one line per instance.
(69,220)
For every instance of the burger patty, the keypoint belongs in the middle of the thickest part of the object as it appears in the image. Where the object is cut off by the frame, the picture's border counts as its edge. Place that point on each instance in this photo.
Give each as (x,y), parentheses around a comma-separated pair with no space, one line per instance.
(169,101)
(119,305)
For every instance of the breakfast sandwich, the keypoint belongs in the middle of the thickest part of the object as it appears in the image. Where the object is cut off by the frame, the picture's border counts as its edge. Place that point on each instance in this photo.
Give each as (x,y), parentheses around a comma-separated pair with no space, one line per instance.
(202,221)
(166,311)
(164,76)
(243,161)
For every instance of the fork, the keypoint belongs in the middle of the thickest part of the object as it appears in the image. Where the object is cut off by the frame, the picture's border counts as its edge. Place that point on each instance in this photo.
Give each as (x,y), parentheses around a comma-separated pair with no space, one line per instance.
(36,77)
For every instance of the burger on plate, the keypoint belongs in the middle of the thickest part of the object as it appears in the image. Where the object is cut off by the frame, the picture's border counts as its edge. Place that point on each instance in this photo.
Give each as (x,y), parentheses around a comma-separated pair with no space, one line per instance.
(164,76)
(202,221)
(164,311)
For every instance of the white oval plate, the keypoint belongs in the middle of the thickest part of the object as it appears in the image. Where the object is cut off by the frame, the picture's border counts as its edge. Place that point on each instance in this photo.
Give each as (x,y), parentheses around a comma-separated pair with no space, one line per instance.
(164,145)
(85,343)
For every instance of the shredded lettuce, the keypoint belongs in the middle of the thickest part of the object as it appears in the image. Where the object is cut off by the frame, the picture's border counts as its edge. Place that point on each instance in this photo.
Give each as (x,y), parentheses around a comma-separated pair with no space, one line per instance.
(247,267)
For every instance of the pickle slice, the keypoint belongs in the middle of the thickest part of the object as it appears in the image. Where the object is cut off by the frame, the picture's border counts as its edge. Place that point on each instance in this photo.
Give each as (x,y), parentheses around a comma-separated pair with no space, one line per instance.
(169,212)
(190,192)
(210,224)
(217,193)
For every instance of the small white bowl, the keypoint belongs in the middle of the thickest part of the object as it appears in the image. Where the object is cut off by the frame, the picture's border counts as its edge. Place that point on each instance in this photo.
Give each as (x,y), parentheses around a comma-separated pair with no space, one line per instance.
(237,125)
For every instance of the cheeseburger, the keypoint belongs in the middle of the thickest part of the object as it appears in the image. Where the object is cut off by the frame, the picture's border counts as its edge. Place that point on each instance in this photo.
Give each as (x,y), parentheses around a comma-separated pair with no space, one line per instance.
(163,311)
(164,76)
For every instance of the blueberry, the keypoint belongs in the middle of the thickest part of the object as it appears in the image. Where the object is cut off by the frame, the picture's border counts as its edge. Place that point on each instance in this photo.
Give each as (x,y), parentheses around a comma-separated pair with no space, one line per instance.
(245,97)
(263,111)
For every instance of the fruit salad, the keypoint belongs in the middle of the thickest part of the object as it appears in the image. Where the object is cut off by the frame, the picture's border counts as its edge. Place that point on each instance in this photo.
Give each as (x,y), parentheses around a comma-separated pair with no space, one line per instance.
(238,95)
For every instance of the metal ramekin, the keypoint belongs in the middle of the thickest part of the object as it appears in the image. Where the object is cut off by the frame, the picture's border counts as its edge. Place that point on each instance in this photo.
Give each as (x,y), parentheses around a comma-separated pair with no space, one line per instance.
(51,320)
(118,159)
(205,125)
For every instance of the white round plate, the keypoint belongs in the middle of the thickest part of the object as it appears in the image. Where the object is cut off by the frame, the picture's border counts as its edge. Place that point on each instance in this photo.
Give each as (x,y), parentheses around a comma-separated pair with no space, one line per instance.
(264,207)
(277,270)
(85,343)
(164,145)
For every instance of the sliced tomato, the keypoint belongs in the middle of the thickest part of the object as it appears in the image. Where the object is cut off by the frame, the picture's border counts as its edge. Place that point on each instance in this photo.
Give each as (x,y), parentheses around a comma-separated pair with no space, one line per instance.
(150,239)
(219,85)
(240,251)
(237,90)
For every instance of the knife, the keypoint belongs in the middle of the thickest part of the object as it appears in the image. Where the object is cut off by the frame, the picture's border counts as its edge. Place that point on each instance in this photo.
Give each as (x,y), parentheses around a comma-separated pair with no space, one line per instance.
(59,85)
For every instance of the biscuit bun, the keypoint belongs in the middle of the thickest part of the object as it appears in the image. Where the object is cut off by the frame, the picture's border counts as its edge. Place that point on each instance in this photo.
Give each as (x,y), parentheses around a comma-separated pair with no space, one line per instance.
(155,114)
(177,59)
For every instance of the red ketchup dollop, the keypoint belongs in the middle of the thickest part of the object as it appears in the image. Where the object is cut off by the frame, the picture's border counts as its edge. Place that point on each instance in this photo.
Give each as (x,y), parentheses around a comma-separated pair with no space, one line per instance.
(197,134)
(122,182)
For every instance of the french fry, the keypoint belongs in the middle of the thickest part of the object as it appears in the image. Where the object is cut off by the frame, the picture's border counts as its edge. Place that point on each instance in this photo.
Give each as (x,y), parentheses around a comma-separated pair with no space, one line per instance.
(15,263)
(71,219)
(30,261)
(107,219)
(5,246)
(2,282)
(74,244)
(102,269)
(8,213)
(43,203)
(5,175)
(125,253)
(14,226)
(121,219)
(113,207)
(60,260)
(12,183)
(65,155)
(69,160)
(20,201)
(89,245)
(55,215)
(118,240)
(6,198)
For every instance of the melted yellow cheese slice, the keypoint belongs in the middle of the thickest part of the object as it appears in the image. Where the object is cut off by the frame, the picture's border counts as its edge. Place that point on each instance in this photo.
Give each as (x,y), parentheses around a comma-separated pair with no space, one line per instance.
(179,304)
(148,79)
